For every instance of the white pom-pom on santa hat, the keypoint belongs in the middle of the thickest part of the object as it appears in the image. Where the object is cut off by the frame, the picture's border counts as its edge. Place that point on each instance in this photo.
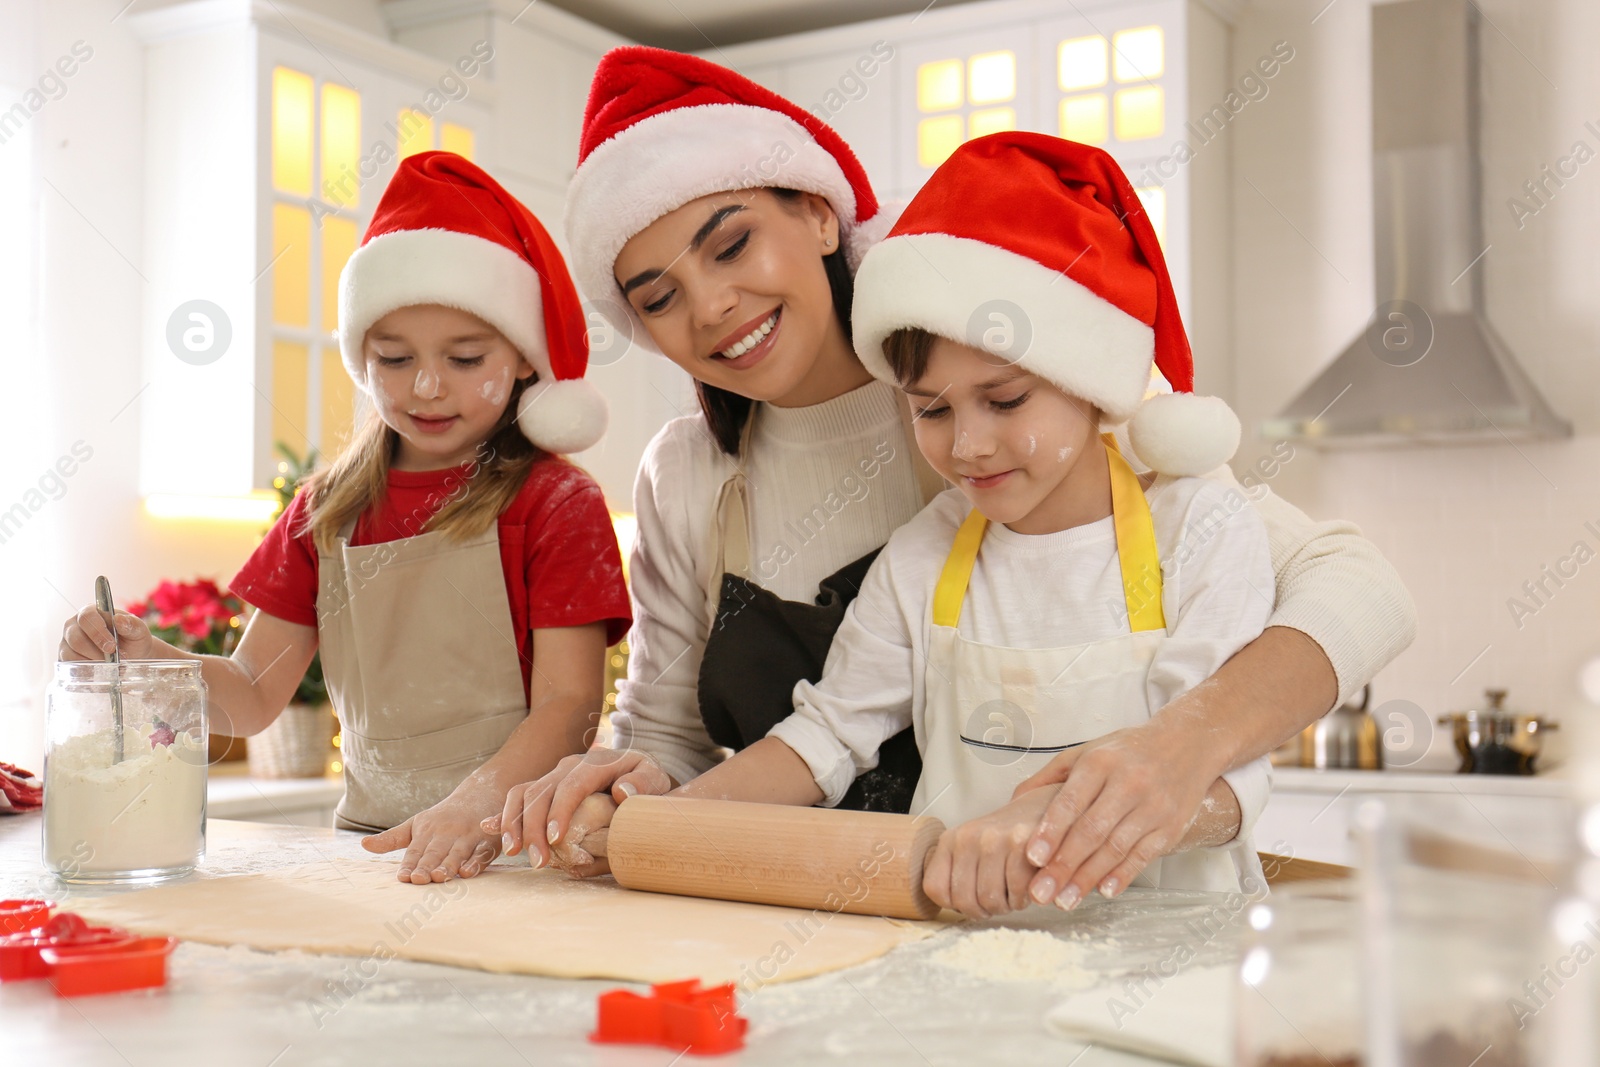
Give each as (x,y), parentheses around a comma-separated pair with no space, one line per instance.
(563,416)
(1184,434)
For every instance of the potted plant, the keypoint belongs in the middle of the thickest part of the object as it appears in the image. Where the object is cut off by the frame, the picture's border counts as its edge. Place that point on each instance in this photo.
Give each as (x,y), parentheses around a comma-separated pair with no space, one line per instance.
(301,739)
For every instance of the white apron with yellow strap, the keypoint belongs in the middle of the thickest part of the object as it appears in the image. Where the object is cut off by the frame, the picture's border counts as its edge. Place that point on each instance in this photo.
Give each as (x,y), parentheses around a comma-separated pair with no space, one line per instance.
(421,663)
(994,716)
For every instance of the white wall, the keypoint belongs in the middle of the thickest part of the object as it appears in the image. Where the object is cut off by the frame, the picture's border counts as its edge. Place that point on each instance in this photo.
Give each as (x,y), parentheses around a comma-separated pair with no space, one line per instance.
(1465,526)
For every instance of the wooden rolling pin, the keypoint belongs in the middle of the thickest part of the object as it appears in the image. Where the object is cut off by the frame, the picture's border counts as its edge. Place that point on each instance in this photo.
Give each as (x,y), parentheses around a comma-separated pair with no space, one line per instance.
(869,863)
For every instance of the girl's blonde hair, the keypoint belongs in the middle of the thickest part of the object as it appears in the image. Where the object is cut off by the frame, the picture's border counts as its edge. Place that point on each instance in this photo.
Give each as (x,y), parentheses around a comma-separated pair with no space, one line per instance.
(359,478)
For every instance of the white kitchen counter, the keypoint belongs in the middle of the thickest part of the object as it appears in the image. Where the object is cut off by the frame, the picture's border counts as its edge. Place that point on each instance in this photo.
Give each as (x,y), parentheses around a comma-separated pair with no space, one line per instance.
(231,793)
(1310,812)
(233,1006)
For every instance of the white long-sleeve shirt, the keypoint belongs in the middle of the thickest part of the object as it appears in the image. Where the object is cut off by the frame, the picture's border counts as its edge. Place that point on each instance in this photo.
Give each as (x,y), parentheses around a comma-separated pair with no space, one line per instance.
(1036,591)
(819,503)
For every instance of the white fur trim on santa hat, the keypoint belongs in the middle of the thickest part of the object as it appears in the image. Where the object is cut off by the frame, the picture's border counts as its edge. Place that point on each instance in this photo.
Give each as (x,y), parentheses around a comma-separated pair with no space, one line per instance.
(1184,434)
(861,240)
(659,164)
(981,295)
(563,416)
(409,267)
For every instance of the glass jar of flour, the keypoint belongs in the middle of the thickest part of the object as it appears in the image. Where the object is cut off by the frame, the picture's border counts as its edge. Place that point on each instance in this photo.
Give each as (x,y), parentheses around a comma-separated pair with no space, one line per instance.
(125,771)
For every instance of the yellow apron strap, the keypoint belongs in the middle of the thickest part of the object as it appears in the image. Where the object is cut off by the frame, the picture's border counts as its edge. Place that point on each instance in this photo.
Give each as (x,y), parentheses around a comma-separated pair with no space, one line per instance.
(1136,544)
(952,587)
(1136,551)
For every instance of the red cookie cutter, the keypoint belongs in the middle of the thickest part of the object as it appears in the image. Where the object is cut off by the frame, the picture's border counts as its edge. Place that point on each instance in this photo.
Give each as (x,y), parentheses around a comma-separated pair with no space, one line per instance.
(80,970)
(20,953)
(19,915)
(674,1015)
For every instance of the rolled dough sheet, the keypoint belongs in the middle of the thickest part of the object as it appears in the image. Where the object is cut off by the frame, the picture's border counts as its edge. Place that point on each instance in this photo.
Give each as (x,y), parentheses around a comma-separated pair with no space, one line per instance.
(508,919)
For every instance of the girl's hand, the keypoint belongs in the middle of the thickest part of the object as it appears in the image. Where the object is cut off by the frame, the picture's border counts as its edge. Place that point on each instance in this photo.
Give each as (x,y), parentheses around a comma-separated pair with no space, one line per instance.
(978,868)
(86,636)
(1128,799)
(538,814)
(443,842)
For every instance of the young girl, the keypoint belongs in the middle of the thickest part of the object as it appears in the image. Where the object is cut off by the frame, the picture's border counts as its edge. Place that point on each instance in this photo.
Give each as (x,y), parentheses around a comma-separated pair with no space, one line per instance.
(721,225)
(461,578)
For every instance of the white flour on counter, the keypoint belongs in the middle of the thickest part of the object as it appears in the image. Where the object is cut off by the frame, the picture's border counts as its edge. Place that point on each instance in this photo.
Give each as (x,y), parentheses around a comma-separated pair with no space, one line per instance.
(1019,956)
(145,812)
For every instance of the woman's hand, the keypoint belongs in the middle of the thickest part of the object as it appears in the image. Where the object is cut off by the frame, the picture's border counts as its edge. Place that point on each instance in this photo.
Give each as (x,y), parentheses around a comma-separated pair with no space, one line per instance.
(582,851)
(979,868)
(539,814)
(87,636)
(1128,798)
(445,841)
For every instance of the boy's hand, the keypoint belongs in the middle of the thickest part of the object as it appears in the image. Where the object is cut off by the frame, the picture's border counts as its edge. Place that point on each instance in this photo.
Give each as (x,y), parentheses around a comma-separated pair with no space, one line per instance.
(539,814)
(443,842)
(978,868)
(86,636)
(1128,799)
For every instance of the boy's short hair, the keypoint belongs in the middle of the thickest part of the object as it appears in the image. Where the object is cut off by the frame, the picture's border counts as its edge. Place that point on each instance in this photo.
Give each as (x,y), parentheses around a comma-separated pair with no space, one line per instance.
(907,350)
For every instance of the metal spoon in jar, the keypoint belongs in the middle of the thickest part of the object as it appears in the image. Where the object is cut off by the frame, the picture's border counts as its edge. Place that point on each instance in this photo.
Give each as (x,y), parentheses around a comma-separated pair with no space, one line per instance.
(102,600)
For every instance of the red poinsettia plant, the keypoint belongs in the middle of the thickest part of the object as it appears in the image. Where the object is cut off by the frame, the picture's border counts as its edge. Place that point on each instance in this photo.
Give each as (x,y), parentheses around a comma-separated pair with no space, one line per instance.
(195,616)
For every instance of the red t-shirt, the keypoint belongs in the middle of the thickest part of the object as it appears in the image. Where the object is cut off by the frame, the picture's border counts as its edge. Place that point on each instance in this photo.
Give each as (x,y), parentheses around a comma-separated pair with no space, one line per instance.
(557,548)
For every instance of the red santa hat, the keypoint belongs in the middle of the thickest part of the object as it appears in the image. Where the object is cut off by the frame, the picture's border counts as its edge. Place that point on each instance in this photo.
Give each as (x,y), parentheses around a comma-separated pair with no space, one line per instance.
(1038,250)
(663,128)
(446,233)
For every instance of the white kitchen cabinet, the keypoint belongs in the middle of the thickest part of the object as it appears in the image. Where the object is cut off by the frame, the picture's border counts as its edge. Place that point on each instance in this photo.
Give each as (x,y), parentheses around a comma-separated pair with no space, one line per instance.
(271,133)
(1311,812)
(904,91)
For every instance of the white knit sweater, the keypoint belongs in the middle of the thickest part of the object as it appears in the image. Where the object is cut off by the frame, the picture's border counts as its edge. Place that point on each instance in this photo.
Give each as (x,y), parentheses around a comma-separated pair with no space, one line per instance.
(830,483)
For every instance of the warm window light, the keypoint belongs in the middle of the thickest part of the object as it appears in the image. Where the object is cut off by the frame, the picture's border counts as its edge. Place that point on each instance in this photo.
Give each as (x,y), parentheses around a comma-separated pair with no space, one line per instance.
(991,120)
(626,527)
(1154,199)
(416,132)
(1139,54)
(939,85)
(992,78)
(1140,113)
(291,377)
(291,131)
(457,139)
(338,403)
(341,146)
(291,265)
(1081,63)
(256,508)
(339,239)
(1086,119)
(937,138)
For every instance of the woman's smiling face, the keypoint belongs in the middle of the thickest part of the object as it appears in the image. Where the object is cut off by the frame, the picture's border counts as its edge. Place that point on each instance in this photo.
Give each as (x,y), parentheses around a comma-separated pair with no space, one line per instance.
(732,289)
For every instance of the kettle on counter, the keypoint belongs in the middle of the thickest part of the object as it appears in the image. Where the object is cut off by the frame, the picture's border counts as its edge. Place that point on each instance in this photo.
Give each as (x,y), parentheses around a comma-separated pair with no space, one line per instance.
(1344,739)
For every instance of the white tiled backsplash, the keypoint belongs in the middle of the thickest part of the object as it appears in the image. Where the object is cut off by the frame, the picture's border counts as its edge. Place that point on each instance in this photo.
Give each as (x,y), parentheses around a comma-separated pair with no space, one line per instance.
(1467,527)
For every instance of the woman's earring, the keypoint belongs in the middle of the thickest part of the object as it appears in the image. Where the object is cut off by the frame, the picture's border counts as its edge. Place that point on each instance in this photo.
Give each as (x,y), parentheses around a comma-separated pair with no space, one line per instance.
(827,242)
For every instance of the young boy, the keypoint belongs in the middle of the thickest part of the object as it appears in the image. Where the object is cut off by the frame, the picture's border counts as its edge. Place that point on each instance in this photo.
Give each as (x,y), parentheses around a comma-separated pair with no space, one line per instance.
(1054,596)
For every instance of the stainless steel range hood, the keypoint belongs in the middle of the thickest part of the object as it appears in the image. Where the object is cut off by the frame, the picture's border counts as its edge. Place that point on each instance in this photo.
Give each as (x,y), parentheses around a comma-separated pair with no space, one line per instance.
(1428,368)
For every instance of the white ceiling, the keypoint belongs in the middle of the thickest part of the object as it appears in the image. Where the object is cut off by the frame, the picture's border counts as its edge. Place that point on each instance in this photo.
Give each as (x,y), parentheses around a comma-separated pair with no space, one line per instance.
(696,25)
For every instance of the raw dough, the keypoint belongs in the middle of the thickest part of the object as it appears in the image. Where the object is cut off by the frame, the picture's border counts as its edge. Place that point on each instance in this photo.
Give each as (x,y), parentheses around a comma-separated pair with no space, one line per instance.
(508,919)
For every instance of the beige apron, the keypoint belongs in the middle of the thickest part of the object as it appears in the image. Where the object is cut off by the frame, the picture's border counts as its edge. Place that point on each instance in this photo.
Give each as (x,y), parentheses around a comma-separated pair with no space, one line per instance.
(994,716)
(420,656)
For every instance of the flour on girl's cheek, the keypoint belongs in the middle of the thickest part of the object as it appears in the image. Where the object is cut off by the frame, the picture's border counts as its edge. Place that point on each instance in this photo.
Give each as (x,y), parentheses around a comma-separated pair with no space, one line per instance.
(1063,453)
(1033,444)
(496,389)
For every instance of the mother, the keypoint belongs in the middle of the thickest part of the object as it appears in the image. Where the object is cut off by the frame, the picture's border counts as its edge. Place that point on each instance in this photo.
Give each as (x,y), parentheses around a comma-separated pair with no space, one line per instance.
(722,224)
